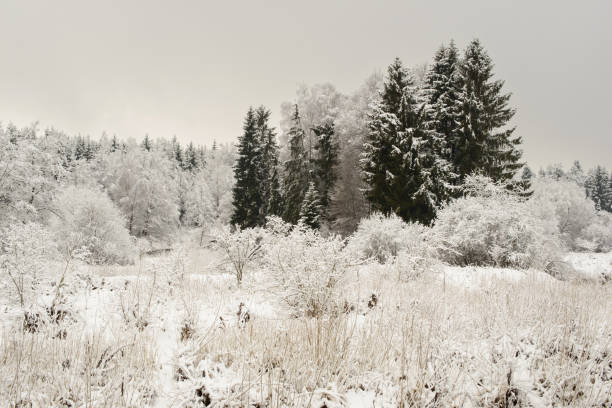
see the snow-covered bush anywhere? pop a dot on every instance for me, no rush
(29, 175)
(87, 221)
(25, 251)
(241, 247)
(383, 237)
(492, 226)
(566, 201)
(307, 267)
(143, 186)
(597, 237)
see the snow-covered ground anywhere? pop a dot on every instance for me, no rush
(177, 331)
(595, 266)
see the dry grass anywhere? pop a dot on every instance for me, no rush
(76, 370)
(533, 343)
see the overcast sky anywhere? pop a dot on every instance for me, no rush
(192, 68)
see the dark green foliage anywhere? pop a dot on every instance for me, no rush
(84, 148)
(598, 188)
(391, 157)
(269, 177)
(325, 162)
(485, 143)
(310, 213)
(442, 92)
(191, 160)
(296, 172)
(178, 155)
(114, 144)
(146, 143)
(247, 192)
(527, 174)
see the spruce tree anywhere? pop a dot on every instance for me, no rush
(442, 91)
(598, 188)
(270, 183)
(296, 172)
(527, 175)
(201, 156)
(178, 155)
(247, 198)
(80, 148)
(391, 157)
(310, 212)
(146, 143)
(325, 162)
(485, 143)
(114, 144)
(190, 158)
(90, 149)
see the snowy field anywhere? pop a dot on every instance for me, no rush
(175, 330)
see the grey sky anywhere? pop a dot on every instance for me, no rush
(192, 68)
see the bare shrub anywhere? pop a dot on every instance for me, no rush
(240, 247)
(307, 267)
(25, 252)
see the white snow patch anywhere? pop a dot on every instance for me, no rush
(591, 265)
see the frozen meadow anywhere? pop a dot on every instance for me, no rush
(387, 247)
(177, 330)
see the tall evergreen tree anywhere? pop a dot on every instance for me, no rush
(146, 143)
(247, 197)
(296, 171)
(485, 143)
(598, 188)
(325, 162)
(90, 149)
(178, 154)
(190, 158)
(527, 175)
(80, 148)
(270, 183)
(442, 90)
(310, 212)
(391, 158)
(114, 146)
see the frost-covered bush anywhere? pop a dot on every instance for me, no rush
(143, 185)
(597, 237)
(241, 247)
(25, 252)
(308, 269)
(88, 222)
(492, 226)
(566, 201)
(383, 237)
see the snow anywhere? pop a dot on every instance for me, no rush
(474, 278)
(224, 357)
(591, 265)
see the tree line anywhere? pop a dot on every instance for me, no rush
(597, 182)
(157, 185)
(412, 144)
